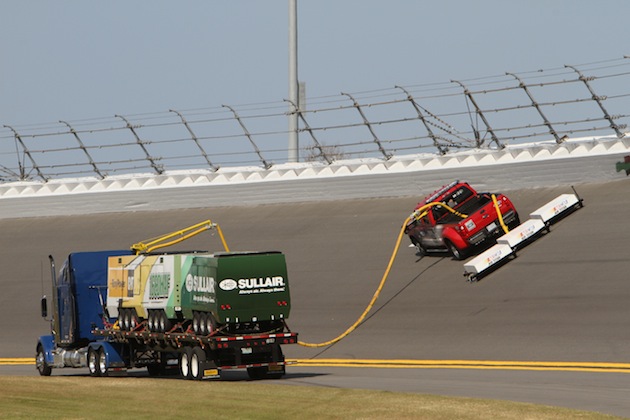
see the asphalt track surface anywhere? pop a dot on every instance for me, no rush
(565, 298)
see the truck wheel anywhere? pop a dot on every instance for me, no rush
(209, 324)
(124, 319)
(40, 362)
(184, 363)
(457, 253)
(102, 363)
(151, 321)
(420, 250)
(196, 323)
(198, 357)
(164, 322)
(93, 361)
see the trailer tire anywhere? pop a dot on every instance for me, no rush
(197, 359)
(40, 361)
(184, 363)
(92, 362)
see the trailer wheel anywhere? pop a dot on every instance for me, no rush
(40, 362)
(184, 363)
(93, 362)
(197, 358)
(102, 363)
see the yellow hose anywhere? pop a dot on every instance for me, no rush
(371, 304)
(415, 215)
(496, 206)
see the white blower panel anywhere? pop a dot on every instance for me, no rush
(555, 207)
(486, 259)
(521, 233)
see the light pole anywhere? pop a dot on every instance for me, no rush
(293, 155)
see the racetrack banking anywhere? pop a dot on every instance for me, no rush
(429, 364)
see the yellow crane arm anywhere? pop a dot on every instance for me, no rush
(149, 245)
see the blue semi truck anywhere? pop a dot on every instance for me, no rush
(83, 334)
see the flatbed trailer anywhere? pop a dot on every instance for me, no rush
(193, 356)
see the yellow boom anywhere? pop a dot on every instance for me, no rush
(176, 237)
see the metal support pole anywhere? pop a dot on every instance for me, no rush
(18, 139)
(249, 137)
(369, 126)
(293, 155)
(195, 139)
(598, 99)
(483, 117)
(535, 104)
(158, 168)
(310, 131)
(424, 121)
(82, 147)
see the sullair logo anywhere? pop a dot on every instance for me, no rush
(228, 284)
(200, 284)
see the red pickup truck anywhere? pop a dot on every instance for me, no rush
(457, 219)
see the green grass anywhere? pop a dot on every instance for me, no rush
(147, 398)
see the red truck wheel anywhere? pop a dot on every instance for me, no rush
(457, 253)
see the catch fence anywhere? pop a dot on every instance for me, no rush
(574, 101)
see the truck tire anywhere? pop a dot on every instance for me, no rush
(164, 322)
(93, 361)
(40, 362)
(457, 253)
(209, 323)
(196, 323)
(184, 363)
(420, 250)
(102, 363)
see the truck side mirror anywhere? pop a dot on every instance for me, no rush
(44, 307)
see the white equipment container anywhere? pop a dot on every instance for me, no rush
(523, 232)
(485, 260)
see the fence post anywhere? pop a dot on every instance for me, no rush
(249, 137)
(597, 99)
(310, 131)
(158, 168)
(483, 117)
(18, 138)
(535, 104)
(82, 147)
(369, 126)
(196, 140)
(424, 121)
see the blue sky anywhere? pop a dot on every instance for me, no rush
(72, 60)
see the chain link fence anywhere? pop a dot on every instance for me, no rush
(574, 101)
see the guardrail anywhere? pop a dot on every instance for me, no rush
(491, 112)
